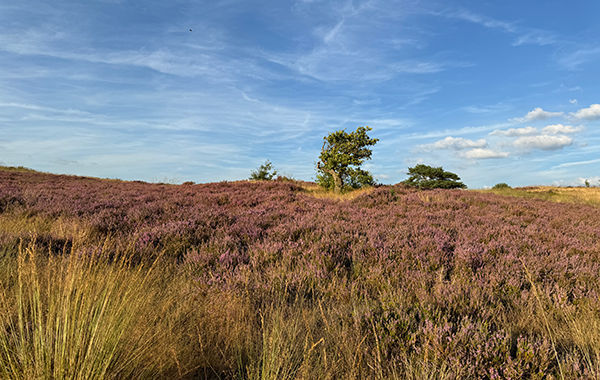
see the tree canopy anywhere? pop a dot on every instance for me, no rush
(341, 156)
(427, 177)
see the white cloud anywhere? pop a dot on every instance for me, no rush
(456, 143)
(544, 142)
(479, 153)
(538, 114)
(573, 101)
(512, 132)
(559, 128)
(592, 113)
(381, 176)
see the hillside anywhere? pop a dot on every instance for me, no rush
(273, 282)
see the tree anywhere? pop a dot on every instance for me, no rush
(341, 156)
(265, 172)
(427, 177)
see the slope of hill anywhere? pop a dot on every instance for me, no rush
(272, 282)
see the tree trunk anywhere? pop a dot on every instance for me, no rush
(337, 181)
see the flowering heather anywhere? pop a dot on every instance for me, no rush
(394, 283)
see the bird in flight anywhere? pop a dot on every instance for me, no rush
(190, 30)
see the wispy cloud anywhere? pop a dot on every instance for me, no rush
(569, 164)
(523, 35)
(487, 109)
(573, 59)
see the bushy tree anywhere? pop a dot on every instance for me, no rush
(265, 172)
(501, 185)
(341, 156)
(427, 177)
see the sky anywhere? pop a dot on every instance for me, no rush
(206, 91)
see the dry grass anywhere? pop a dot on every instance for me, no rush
(82, 316)
(584, 195)
(17, 169)
(317, 191)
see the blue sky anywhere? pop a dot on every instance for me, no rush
(495, 91)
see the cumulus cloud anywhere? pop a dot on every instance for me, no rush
(480, 153)
(544, 142)
(512, 132)
(538, 114)
(592, 113)
(559, 128)
(456, 143)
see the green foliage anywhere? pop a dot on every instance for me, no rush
(265, 172)
(427, 177)
(341, 156)
(501, 185)
(587, 184)
(356, 180)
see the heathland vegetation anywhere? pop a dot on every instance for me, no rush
(107, 279)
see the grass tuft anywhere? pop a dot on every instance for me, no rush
(78, 316)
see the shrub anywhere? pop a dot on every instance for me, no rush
(265, 172)
(501, 185)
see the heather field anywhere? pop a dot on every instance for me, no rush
(106, 279)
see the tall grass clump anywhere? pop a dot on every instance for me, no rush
(80, 315)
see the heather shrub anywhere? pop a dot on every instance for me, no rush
(270, 281)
